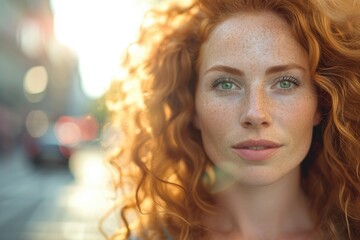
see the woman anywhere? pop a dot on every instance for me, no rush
(241, 120)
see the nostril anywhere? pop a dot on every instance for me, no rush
(255, 123)
(247, 123)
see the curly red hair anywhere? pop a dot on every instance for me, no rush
(160, 160)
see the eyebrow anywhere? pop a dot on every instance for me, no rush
(271, 70)
(227, 69)
(282, 68)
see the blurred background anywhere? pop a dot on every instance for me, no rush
(57, 58)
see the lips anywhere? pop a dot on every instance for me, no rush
(256, 150)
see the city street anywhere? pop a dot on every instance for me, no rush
(53, 203)
(51, 104)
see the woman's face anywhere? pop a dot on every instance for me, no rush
(256, 105)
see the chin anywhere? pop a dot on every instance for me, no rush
(259, 176)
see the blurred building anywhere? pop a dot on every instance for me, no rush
(36, 72)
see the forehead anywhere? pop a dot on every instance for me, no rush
(254, 36)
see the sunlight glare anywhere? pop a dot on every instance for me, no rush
(98, 31)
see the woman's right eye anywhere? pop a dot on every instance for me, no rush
(224, 84)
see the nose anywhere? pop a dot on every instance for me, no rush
(256, 113)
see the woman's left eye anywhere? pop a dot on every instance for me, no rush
(287, 83)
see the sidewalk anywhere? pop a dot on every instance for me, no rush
(55, 204)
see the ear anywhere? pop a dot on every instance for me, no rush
(317, 117)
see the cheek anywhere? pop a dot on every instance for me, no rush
(214, 125)
(213, 117)
(299, 118)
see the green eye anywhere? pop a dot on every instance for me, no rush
(285, 84)
(226, 85)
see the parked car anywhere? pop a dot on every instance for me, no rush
(55, 146)
(46, 150)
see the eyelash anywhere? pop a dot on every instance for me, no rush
(219, 81)
(290, 79)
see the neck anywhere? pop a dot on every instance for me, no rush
(264, 211)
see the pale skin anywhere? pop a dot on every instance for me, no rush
(255, 84)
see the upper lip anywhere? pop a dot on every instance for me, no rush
(257, 143)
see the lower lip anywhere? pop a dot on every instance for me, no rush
(256, 155)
